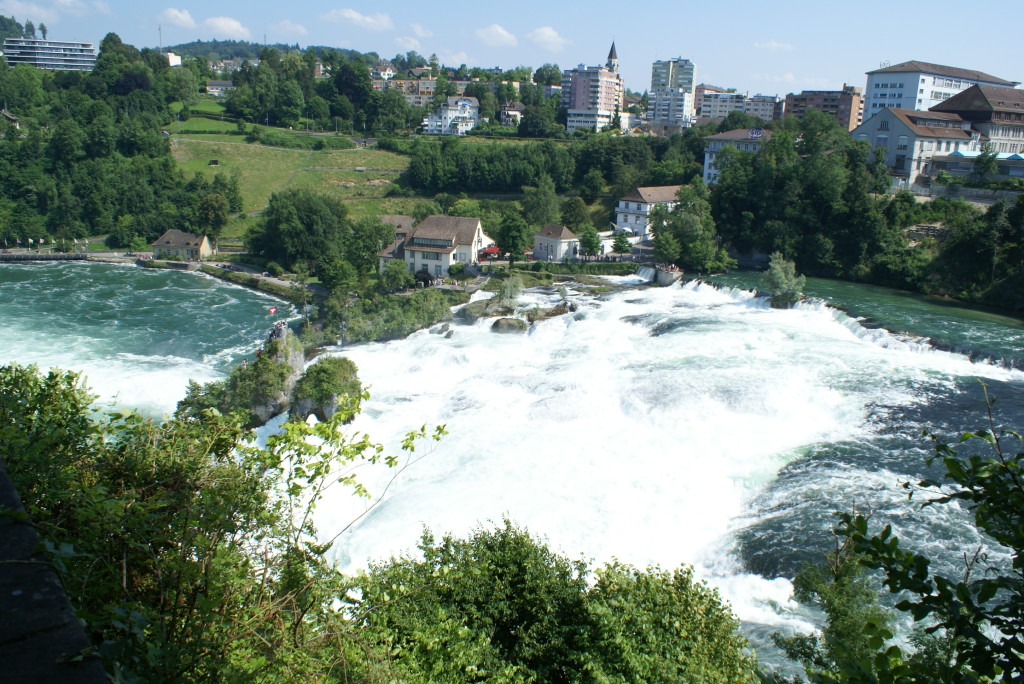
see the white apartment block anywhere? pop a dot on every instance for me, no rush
(633, 211)
(671, 97)
(718, 105)
(920, 86)
(458, 116)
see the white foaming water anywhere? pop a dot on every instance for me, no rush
(639, 429)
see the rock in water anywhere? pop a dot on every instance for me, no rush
(509, 326)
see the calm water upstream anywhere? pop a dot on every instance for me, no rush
(658, 426)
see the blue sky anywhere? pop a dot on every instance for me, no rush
(772, 48)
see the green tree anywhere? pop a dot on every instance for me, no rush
(395, 276)
(985, 163)
(621, 244)
(212, 215)
(666, 248)
(782, 282)
(592, 186)
(540, 203)
(301, 225)
(510, 608)
(575, 214)
(514, 236)
(368, 237)
(590, 241)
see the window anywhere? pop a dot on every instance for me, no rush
(901, 143)
(883, 125)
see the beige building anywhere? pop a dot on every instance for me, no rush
(177, 244)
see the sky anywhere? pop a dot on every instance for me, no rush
(755, 47)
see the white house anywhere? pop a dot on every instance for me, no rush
(458, 116)
(911, 140)
(554, 243)
(436, 243)
(511, 113)
(746, 139)
(920, 86)
(633, 211)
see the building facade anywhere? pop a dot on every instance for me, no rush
(61, 55)
(436, 243)
(845, 106)
(997, 113)
(912, 139)
(920, 86)
(177, 244)
(554, 243)
(718, 105)
(458, 116)
(745, 139)
(633, 211)
(593, 95)
(670, 100)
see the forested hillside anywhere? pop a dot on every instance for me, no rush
(87, 156)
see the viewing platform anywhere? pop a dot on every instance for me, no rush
(42, 256)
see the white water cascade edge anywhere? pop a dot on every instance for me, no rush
(638, 429)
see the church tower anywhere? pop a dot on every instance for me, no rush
(613, 59)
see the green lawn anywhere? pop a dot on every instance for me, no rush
(264, 170)
(261, 170)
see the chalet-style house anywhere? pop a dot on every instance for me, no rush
(179, 245)
(435, 243)
(554, 243)
(632, 213)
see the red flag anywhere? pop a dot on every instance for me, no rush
(272, 310)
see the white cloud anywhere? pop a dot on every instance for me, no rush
(496, 36)
(407, 43)
(75, 7)
(450, 58)
(101, 7)
(370, 22)
(289, 28)
(774, 46)
(421, 31)
(547, 38)
(29, 11)
(226, 27)
(178, 17)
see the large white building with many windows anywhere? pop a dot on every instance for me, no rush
(920, 85)
(62, 55)
(744, 139)
(458, 116)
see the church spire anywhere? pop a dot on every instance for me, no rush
(613, 59)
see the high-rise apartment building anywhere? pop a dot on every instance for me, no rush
(671, 99)
(62, 55)
(846, 105)
(593, 94)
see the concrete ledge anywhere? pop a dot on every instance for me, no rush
(38, 628)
